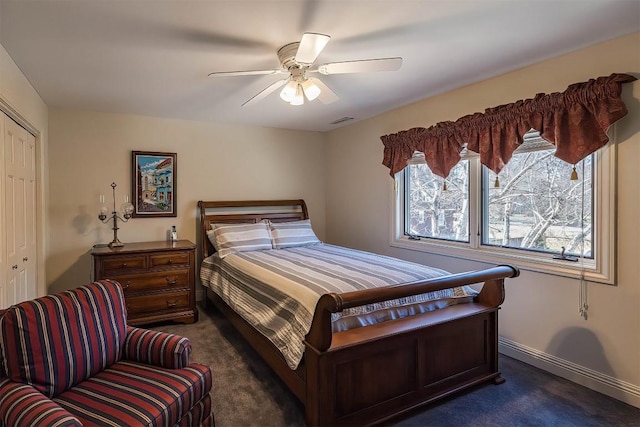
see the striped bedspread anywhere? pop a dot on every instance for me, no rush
(277, 290)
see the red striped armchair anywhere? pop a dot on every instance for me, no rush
(70, 359)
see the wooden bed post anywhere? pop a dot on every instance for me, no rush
(319, 337)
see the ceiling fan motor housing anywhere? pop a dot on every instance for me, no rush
(287, 55)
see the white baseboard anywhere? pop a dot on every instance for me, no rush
(605, 384)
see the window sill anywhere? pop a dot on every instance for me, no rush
(524, 261)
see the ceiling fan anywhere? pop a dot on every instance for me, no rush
(297, 59)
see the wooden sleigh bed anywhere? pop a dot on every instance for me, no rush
(370, 374)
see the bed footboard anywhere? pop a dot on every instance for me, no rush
(373, 373)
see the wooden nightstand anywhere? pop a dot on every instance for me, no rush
(158, 279)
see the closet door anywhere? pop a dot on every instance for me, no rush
(19, 212)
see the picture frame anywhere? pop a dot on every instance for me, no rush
(153, 184)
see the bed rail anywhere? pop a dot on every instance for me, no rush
(491, 295)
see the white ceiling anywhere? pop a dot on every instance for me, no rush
(152, 57)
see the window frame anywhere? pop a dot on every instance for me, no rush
(600, 269)
(464, 157)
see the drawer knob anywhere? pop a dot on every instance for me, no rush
(172, 282)
(172, 304)
(169, 262)
(124, 264)
(126, 285)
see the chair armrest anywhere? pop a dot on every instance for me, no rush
(157, 348)
(22, 405)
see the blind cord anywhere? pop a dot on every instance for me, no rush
(583, 300)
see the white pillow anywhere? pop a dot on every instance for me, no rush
(230, 238)
(212, 239)
(292, 234)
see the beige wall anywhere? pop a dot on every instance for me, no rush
(22, 103)
(540, 313)
(89, 150)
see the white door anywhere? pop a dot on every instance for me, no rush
(19, 212)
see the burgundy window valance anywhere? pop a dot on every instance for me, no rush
(575, 121)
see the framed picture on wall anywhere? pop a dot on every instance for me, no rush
(153, 184)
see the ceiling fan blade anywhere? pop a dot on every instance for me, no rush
(266, 91)
(362, 66)
(310, 47)
(327, 96)
(243, 73)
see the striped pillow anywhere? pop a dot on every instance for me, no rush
(230, 238)
(292, 234)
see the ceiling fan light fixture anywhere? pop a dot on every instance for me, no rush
(289, 91)
(311, 91)
(297, 59)
(298, 99)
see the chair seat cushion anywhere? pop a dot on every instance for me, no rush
(129, 393)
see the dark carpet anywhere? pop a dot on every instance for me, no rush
(247, 393)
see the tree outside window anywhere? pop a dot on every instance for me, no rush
(535, 206)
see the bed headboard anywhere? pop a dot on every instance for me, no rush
(246, 211)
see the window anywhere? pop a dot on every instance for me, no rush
(431, 211)
(531, 214)
(537, 207)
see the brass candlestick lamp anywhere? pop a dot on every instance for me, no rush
(126, 210)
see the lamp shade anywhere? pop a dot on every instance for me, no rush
(311, 91)
(289, 91)
(298, 99)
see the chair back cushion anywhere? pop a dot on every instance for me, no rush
(57, 341)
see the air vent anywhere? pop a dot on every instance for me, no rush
(343, 119)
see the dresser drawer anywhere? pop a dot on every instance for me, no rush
(123, 264)
(169, 279)
(170, 260)
(151, 303)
